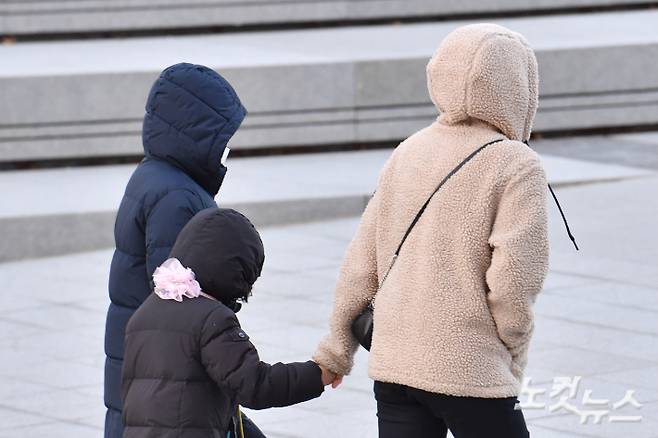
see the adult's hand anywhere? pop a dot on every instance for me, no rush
(337, 381)
(328, 377)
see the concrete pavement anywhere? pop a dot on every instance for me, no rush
(56, 211)
(595, 319)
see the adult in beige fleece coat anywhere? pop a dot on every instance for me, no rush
(454, 315)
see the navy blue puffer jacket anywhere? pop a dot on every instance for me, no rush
(191, 114)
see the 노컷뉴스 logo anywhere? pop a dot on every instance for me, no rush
(565, 397)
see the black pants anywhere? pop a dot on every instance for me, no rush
(408, 412)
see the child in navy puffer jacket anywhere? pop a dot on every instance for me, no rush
(191, 113)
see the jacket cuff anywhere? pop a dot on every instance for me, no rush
(517, 370)
(520, 355)
(337, 363)
(519, 360)
(313, 386)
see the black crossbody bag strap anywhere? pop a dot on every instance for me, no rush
(429, 199)
(559, 207)
(443, 181)
(362, 326)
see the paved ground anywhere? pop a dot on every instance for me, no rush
(639, 150)
(314, 46)
(64, 210)
(260, 180)
(596, 319)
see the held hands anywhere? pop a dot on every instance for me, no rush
(330, 378)
(337, 381)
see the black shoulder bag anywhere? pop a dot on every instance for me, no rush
(362, 325)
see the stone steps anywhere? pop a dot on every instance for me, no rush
(95, 16)
(69, 100)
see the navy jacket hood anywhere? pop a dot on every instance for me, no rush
(191, 114)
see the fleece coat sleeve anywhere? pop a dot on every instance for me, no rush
(232, 362)
(356, 287)
(163, 223)
(519, 262)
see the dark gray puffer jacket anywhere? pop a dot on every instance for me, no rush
(188, 364)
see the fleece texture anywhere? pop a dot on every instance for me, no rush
(454, 315)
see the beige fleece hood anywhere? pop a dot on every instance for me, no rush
(485, 72)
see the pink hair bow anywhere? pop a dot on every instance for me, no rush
(173, 281)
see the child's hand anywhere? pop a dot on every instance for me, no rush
(328, 377)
